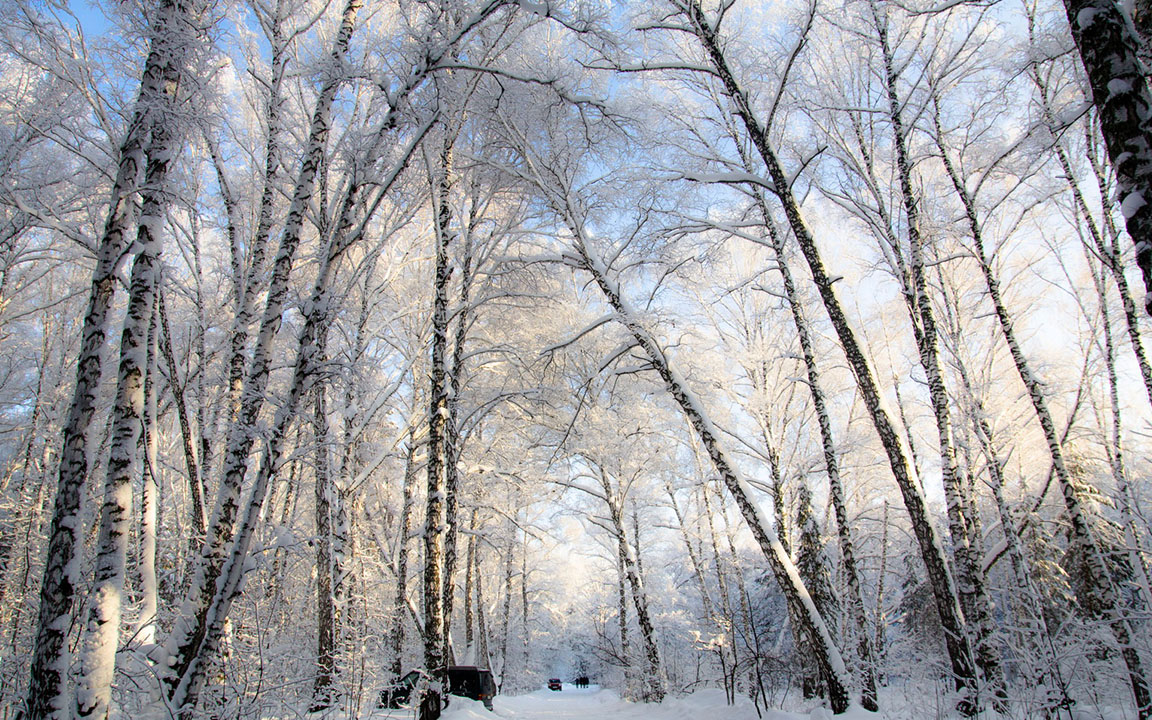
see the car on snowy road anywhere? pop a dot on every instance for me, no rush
(555, 684)
(427, 702)
(472, 682)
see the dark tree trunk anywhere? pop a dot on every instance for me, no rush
(1109, 49)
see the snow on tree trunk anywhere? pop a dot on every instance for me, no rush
(831, 467)
(101, 636)
(653, 676)
(1113, 258)
(452, 433)
(326, 631)
(469, 592)
(404, 532)
(246, 290)
(203, 626)
(506, 609)
(1114, 449)
(811, 561)
(827, 654)
(1109, 49)
(1027, 601)
(482, 654)
(188, 684)
(188, 635)
(970, 581)
(193, 467)
(150, 494)
(1102, 600)
(622, 617)
(436, 585)
(944, 591)
(1109, 252)
(200, 646)
(48, 684)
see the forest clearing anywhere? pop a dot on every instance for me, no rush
(747, 357)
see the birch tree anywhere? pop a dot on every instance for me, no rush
(558, 192)
(704, 28)
(1109, 48)
(171, 43)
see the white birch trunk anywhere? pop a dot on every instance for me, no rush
(653, 676)
(101, 637)
(150, 495)
(183, 645)
(827, 654)
(944, 589)
(1109, 49)
(970, 581)
(1102, 601)
(48, 685)
(437, 584)
(404, 532)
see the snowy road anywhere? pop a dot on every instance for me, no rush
(597, 704)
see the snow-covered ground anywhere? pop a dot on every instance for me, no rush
(596, 704)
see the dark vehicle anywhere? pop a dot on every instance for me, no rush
(555, 684)
(472, 682)
(399, 695)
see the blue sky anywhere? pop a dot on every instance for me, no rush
(91, 17)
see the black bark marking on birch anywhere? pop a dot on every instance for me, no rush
(48, 682)
(1102, 602)
(189, 636)
(435, 583)
(1109, 50)
(102, 629)
(405, 531)
(970, 582)
(944, 591)
(827, 654)
(868, 694)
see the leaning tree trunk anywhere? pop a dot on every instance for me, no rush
(202, 625)
(1109, 49)
(48, 683)
(855, 598)
(1102, 600)
(1109, 251)
(245, 283)
(203, 646)
(940, 578)
(970, 581)
(832, 468)
(184, 646)
(653, 677)
(1114, 445)
(193, 467)
(1026, 598)
(827, 654)
(725, 617)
